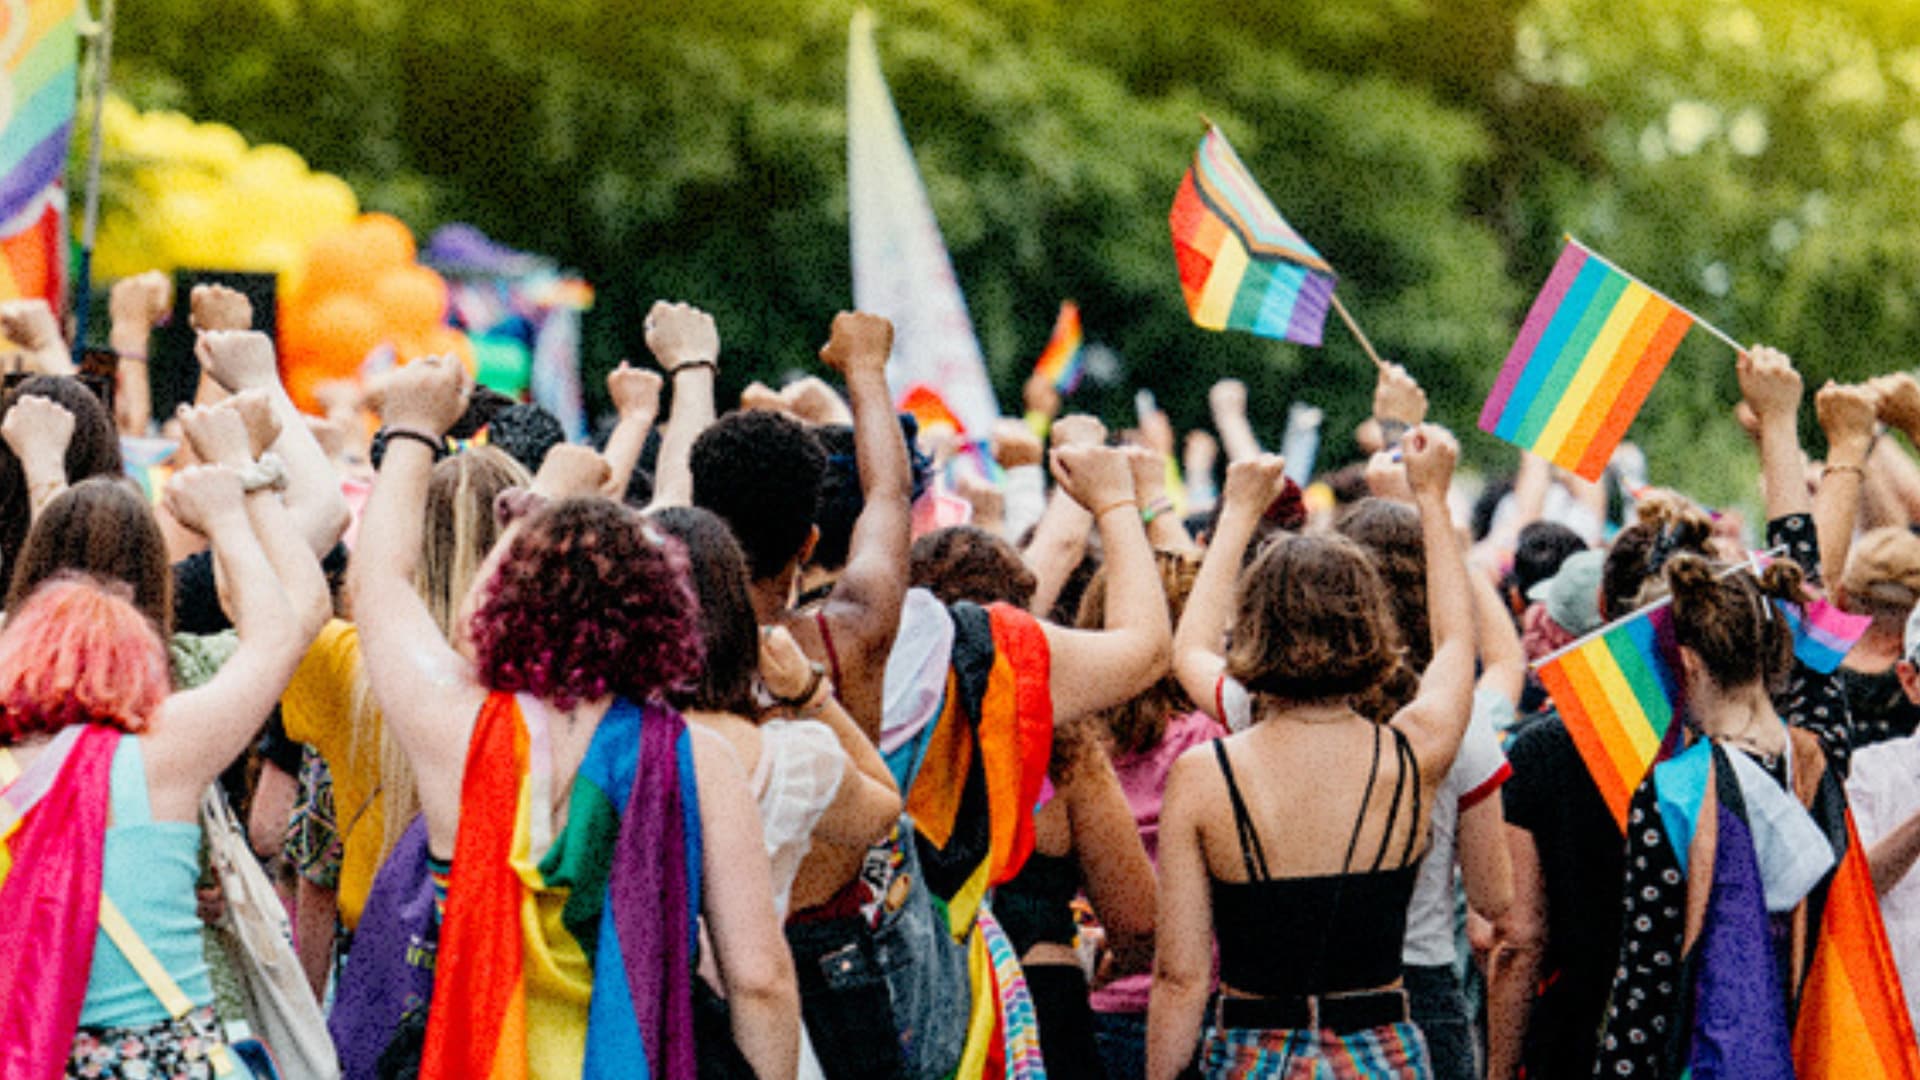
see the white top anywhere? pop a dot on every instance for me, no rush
(1478, 771)
(799, 773)
(1884, 791)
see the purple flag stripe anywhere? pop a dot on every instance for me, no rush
(1565, 270)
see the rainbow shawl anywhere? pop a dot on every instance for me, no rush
(53, 831)
(973, 778)
(571, 955)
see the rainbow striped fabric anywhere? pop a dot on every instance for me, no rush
(1618, 696)
(1242, 267)
(1853, 1020)
(929, 409)
(42, 72)
(1060, 362)
(1590, 350)
(570, 955)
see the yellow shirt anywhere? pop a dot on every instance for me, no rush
(317, 710)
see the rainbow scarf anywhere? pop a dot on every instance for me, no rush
(972, 781)
(571, 955)
(53, 831)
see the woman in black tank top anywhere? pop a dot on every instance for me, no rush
(1292, 846)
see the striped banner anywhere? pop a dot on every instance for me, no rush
(1590, 350)
(1618, 696)
(40, 51)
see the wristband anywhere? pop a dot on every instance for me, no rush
(387, 434)
(710, 365)
(805, 696)
(1392, 431)
(1115, 505)
(1857, 471)
(1154, 509)
(267, 474)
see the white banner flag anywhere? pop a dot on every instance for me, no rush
(900, 265)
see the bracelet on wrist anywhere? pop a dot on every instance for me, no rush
(386, 435)
(1859, 472)
(816, 678)
(1101, 512)
(130, 357)
(710, 365)
(1154, 509)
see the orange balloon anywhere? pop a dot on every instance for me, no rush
(412, 299)
(335, 264)
(334, 336)
(446, 341)
(385, 241)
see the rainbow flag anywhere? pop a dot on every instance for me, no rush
(1060, 362)
(1853, 1019)
(1242, 267)
(42, 59)
(930, 409)
(570, 955)
(1618, 696)
(1590, 350)
(33, 251)
(1822, 634)
(53, 832)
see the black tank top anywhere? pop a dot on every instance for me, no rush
(1037, 905)
(1322, 934)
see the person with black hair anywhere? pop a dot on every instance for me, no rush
(763, 472)
(526, 432)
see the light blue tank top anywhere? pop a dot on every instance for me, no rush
(150, 869)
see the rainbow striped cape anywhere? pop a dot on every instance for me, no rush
(973, 778)
(53, 832)
(571, 955)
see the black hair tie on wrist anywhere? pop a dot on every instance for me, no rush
(378, 451)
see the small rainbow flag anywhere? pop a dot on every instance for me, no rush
(1618, 696)
(1061, 360)
(1593, 344)
(1242, 267)
(41, 54)
(1822, 634)
(930, 409)
(1853, 1018)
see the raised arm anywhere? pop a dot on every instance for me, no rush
(1437, 717)
(1847, 416)
(1060, 536)
(863, 610)
(31, 325)
(37, 430)
(1228, 401)
(1503, 660)
(426, 691)
(1094, 670)
(636, 404)
(240, 361)
(1771, 388)
(737, 901)
(1165, 530)
(134, 307)
(198, 732)
(1199, 659)
(685, 342)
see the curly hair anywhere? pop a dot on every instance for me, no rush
(1141, 723)
(77, 651)
(841, 499)
(589, 600)
(526, 432)
(1390, 533)
(761, 472)
(963, 562)
(94, 450)
(1313, 621)
(104, 527)
(1728, 620)
(728, 630)
(1667, 525)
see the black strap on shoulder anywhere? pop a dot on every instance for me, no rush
(1254, 855)
(1366, 797)
(1409, 766)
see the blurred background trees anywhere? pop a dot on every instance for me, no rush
(1756, 159)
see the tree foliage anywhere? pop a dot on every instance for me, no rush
(1755, 159)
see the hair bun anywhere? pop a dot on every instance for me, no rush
(1688, 575)
(1784, 580)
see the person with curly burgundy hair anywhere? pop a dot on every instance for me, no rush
(102, 771)
(572, 799)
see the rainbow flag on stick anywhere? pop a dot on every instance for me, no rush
(1590, 350)
(41, 54)
(1061, 362)
(1618, 696)
(1242, 267)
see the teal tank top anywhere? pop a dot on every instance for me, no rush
(150, 870)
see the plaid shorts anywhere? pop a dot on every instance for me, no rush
(1390, 1052)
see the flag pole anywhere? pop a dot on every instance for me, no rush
(1691, 314)
(1745, 564)
(1354, 328)
(83, 268)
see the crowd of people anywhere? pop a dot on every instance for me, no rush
(795, 741)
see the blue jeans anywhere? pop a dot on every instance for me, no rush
(1122, 1038)
(1439, 1009)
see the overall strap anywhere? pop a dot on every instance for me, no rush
(1251, 852)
